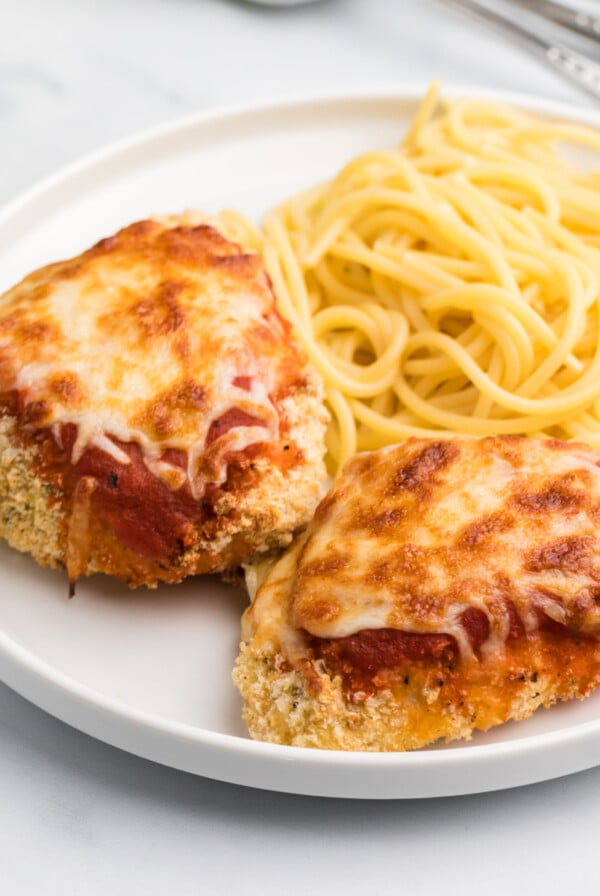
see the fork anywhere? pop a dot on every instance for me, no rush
(578, 20)
(573, 65)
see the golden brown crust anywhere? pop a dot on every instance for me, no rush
(283, 705)
(442, 588)
(31, 518)
(159, 413)
(36, 511)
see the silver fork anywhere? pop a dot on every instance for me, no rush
(578, 20)
(575, 66)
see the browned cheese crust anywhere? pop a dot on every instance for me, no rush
(442, 587)
(158, 418)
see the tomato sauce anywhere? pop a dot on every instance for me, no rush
(145, 514)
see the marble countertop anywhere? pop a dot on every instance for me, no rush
(77, 816)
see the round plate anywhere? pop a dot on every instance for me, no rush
(150, 672)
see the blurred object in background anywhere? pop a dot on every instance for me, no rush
(546, 26)
(280, 2)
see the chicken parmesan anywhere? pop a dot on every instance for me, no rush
(442, 587)
(158, 418)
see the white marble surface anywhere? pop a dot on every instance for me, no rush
(77, 816)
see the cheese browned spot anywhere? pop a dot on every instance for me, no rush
(153, 387)
(442, 587)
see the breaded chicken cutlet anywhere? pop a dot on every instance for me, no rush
(158, 418)
(443, 587)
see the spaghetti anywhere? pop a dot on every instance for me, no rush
(451, 285)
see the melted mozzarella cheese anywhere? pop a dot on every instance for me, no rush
(142, 338)
(411, 536)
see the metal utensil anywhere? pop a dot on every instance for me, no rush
(577, 20)
(575, 66)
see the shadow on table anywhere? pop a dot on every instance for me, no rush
(36, 741)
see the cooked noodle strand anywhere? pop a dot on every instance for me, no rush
(453, 284)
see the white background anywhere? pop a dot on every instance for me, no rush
(77, 816)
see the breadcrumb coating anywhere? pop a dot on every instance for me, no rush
(443, 587)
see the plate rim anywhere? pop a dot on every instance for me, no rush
(46, 686)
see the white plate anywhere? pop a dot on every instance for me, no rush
(150, 672)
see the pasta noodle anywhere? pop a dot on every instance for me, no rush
(452, 285)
